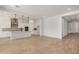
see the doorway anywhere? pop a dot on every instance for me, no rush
(70, 25)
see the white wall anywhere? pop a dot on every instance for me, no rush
(64, 27)
(4, 23)
(77, 27)
(53, 27)
(74, 27)
(41, 27)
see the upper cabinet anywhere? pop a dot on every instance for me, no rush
(14, 23)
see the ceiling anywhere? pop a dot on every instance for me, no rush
(40, 10)
(71, 18)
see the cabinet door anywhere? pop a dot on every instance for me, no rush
(14, 23)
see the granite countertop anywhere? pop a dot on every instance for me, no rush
(12, 29)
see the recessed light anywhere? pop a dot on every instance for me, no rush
(69, 9)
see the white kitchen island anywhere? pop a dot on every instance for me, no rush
(19, 34)
(15, 33)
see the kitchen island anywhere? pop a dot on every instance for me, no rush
(16, 33)
(19, 34)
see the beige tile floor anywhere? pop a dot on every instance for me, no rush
(40, 45)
